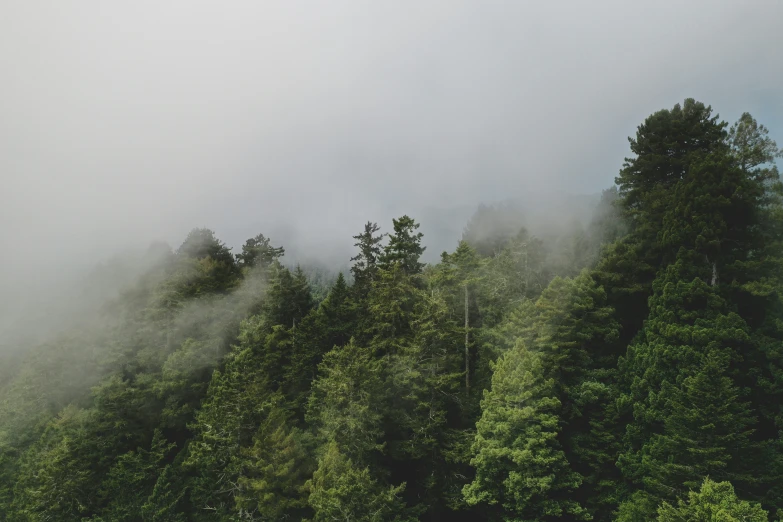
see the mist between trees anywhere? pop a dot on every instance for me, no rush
(625, 366)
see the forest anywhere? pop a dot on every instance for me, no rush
(630, 369)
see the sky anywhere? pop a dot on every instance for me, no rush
(127, 122)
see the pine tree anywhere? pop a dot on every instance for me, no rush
(404, 247)
(707, 433)
(365, 262)
(459, 273)
(687, 338)
(258, 252)
(132, 479)
(520, 464)
(226, 423)
(288, 297)
(344, 403)
(424, 380)
(341, 490)
(330, 325)
(543, 431)
(275, 469)
(715, 501)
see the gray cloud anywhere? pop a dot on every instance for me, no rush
(124, 122)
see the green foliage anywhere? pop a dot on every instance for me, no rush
(339, 490)
(714, 502)
(554, 376)
(404, 248)
(275, 469)
(258, 252)
(343, 404)
(366, 261)
(599, 374)
(131, 480)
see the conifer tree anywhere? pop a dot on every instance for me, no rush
(132, 479)
(275, 468)
(715, 501)
(341, 490)
(258, 252)
(344, 403)
(404, 247)
(543, 431)
(366, 261)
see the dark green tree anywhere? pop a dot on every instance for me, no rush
(275, 469)
(258, 252)
(715, 501)
(366, 261)
(543, 448)
(404, 247)
(341, 490)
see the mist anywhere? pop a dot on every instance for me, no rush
(126, 124)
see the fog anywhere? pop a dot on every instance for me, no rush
(127, 122)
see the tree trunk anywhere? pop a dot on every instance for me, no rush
(467, 342)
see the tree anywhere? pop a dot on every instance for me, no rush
(423, 379)
(344, 403)
(275, 469)
(519, 461)
(340, 490)
(257, 251)
(226, 423)
(365, 262)
(714, 502)
(404, 247)
(682, 360)
(751, 144)
(288, 297)
(556, 375)
(460, 269)
(132, 479)
(324, 328)
(708, 431)
(519, 271)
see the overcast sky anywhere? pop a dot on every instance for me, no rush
(123, 122)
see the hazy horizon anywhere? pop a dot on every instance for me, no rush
(124, 124)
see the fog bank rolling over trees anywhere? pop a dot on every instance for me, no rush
(627, 368)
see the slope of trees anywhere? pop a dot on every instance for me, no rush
(631, 369)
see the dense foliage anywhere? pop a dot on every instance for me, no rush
(631, 369)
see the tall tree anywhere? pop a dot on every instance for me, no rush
(554, 377)
(715, 501)
(341, 490)
(404, 247)
(365, 262)
(258, 251)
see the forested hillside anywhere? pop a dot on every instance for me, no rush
(630, 369)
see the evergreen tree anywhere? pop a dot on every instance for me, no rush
(543, 431)
(366, 261)
(404, 247)
(324, 328)
(288, 297)
(344, 403)
(459, 273)
(687, 338)
(424, 379)
(715, 501)
(226, 423)
(132, 479)
(520, 464)
(275, 469)
(340, 490)
(257, 251)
